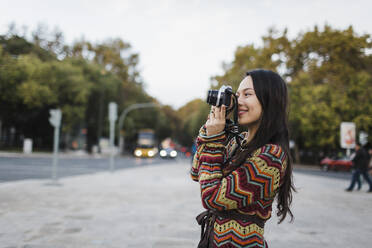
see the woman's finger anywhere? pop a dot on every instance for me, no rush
(218, 113)
(213, 112)
(223, 111)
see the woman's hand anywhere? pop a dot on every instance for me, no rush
(216, 120)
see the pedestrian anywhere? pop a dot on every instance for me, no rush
(354, 175)
(240, 182)
(193, 151)
(370, 160)
(360, 165)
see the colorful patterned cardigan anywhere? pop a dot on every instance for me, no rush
(248, 190)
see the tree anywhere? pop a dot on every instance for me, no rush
(81, 79)
(193, 116)
(328, 73)
(330, 84)
(118, 80)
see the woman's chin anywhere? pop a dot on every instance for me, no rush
(242, 122)
(246, 122)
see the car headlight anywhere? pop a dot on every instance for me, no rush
(138, 153)
(150, 153)
(173, 154)
(163, 153)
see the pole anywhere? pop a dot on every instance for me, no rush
(113, 115)
(55, 121)
(55, 154)
(112, 130)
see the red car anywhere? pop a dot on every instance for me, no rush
(336, 164)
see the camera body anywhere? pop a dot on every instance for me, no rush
(221, 96)
(226, 97)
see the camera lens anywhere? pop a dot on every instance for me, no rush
(212, 97)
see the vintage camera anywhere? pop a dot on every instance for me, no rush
(226, 96)
(221, 96)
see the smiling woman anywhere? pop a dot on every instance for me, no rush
(240, 183)
(250, 109)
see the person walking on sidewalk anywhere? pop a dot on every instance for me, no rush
(360, 164)
(239, 182)
(353, 171)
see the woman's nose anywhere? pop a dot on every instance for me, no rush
(239, 101)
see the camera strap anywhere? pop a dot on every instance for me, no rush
(232, 130)
(232, 127)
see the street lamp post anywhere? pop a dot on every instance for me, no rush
(124, 114)
(55, 121)
(113, 115)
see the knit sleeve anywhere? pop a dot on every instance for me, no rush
(258, 178)
(212, 146)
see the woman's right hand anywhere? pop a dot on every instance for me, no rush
(216, 120)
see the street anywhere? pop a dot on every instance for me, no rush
(20, 168)
(13, 168)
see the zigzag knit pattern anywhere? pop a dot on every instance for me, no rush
(249, 189)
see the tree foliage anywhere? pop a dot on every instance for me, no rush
(81, 79)
(328, 72)
(193, 116)
(331, 83)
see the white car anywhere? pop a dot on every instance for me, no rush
(168, 153)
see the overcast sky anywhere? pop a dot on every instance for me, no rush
(182, 43)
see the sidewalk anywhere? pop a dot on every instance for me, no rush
(155, 206)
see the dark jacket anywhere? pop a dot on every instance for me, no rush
(361, 159)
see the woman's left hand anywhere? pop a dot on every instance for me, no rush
(216, 120)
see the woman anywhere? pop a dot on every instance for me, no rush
(238, 184)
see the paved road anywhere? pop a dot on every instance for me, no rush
(316, 171)
(20, 168)
(14, 168)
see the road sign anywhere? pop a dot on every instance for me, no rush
(113, 111)
(55, 117)
(347, 135)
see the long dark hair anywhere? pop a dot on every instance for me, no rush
(272, 94)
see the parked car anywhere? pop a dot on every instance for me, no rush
(168, 153)
(336, 163)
